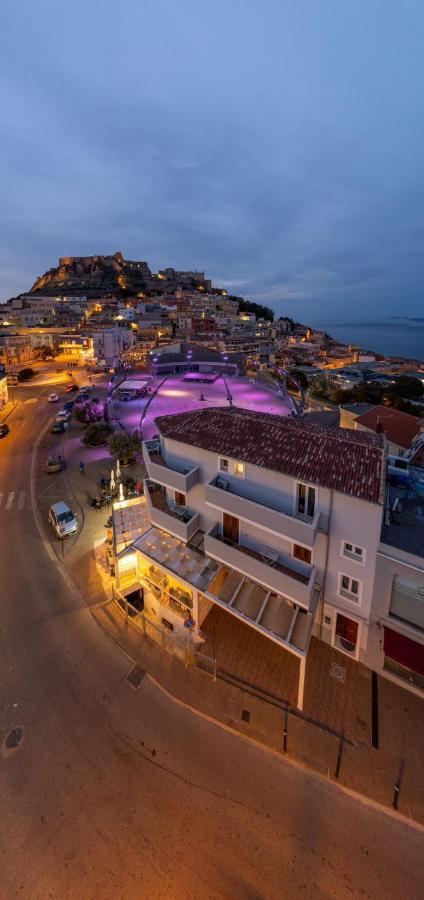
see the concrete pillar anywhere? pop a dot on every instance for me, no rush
(301, 683)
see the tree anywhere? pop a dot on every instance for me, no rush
(97, 433)
(407, 386)
(261, 312)
(319, 387)
(300, 377)
(124, 445)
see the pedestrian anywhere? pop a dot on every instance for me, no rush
(82, 468)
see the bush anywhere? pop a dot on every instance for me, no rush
(300, 377)
(25, 374)
(124, 445)
(97, 433)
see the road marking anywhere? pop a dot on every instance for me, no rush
(21, 501)
(9, 502)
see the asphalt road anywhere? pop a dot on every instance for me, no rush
(117, 792)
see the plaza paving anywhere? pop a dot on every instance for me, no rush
(175, 395)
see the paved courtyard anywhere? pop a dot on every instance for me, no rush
(177, 395)
(337, 689)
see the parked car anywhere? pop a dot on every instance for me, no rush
(69, 405)
(53, 398)
(63, 415)
(71, 387)
(59, 427)
(86, 387)
(82, 398)
(63, 521)
(4, 430)
(54, 464)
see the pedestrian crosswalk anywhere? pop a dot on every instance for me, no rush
(14, 500)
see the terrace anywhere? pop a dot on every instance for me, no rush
(180, 479)
(234, 498)
(178, 520)
(265, 565)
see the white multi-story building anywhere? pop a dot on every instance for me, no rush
(273, 520)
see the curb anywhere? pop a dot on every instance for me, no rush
(312, 773)
(15, 405)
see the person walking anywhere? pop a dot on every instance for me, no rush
(82, 468)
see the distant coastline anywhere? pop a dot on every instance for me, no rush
(400, 336)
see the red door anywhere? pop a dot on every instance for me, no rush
(404, 651)
(230, 528)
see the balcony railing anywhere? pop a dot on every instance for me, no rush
(179, 478)
(274, 574)
(226, 495)
(179, 521)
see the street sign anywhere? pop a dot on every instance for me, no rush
(189, 623)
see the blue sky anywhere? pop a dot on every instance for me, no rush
(276, 144)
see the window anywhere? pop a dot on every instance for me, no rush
(349, 587)
(302, 553)
(351, 551)
(223, 465)
(407, 601)
(180, 499)
(305, 500)
(239, 469)
(346, 635)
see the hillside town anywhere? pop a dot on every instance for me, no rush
(263, 486)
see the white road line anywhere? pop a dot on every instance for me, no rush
(9, 502)
(21, 501)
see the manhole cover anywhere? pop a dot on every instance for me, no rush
(12, 740)
(135, 676)
(338, 672)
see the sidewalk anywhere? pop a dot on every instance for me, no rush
(370, 772)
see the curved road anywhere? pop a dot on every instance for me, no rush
(116, 792)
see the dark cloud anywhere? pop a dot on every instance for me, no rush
(278, 146)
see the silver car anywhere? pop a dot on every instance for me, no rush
(63, 521)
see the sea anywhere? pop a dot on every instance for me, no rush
(400, 337)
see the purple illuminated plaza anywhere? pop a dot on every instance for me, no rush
(171, 394)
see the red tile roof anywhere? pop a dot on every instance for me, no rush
(352, 462)
(399, 427)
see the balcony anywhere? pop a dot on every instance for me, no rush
(275, 574)
(179, 521)
(226, 495)
(180, 479)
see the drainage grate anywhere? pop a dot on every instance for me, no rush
(12, 741)
(135, 677)
(245, 715)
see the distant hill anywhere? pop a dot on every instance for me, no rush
(95, 276)
(99, 276)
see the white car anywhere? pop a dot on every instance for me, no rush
(53, 398)
(63, 416)
(63, 521)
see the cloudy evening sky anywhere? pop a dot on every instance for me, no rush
(276, 144)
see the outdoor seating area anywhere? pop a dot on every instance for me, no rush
(157, 494)
(166, 550)
(267, 555)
